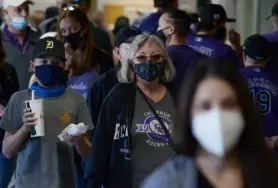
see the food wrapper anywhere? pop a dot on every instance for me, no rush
(73, 130)
(76, 130)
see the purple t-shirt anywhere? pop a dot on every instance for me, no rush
(182, 58)
(271, 36)
(83, 83)
(14, 40)
(212, 48)
(265, 92)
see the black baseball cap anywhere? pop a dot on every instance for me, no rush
(49, 46)
(274, 11)
(212, 14)
(126, 35)
(257, 47)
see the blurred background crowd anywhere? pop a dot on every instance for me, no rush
(174, 93)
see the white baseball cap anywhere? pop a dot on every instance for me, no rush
(7, 3)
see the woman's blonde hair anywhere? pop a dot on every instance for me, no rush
(126, 73)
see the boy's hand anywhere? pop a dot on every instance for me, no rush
(29, 120)
(72, 140)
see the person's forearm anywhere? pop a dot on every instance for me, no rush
(13, 143)
(84, 148)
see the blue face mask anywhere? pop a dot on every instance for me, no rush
(48, 75)
(19, 23)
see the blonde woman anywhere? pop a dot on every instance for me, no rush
(129, 142)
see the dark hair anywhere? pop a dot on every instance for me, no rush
(258, 166)
(88, 62)
(51, 12)
(181, 21)
(121, 22)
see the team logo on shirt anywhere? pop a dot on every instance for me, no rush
(65, 118)
(151, 127)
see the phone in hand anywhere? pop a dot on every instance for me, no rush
(33, 130)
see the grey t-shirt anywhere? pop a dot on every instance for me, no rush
(46, 162)
(151, 146)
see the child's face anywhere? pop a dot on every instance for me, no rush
(46, 61)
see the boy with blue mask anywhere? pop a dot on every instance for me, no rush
(48, 161)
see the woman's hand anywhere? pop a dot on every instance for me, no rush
(29, 120)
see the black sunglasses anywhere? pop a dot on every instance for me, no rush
(69, 7)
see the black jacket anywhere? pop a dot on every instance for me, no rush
(100, 90)
(110, 161)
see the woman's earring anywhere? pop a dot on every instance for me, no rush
(30, 69)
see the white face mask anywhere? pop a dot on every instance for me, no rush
(217, 130)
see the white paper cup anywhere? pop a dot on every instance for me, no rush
(36, 106)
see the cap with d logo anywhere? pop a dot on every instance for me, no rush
(49, 47)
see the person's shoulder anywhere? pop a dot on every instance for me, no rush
(271, 36)
(34, 36)
(122, 91)
(107, 76)
(10, 68)
(21, 95)
(93, 73)
(194, 53)
(70, 93)
(168, 175)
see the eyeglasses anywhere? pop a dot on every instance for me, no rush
(155, 58)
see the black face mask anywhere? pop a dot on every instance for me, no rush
(161, 36)
(149, 70)
(221, 33)
(73, 39)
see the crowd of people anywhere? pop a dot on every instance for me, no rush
(164, 102)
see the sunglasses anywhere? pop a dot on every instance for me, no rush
(70, 7)
(155, 58)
